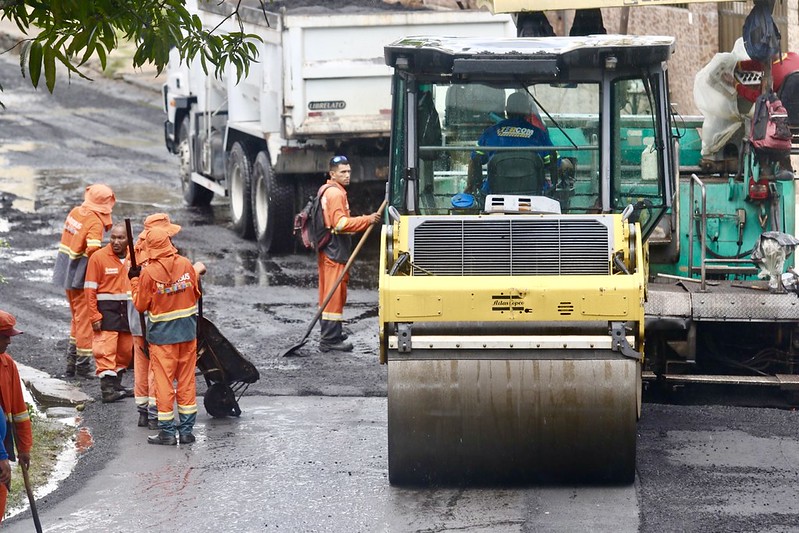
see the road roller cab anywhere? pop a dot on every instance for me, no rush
(512, 322)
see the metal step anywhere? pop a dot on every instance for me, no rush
(727, 269)
(783, 381)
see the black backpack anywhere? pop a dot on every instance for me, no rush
(310, 223)
(761, 35)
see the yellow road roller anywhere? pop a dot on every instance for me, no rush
(513, 273)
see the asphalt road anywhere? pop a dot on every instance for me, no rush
(309, 452)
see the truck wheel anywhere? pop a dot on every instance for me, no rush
(193, 194)
(272, 207)
(239, 181)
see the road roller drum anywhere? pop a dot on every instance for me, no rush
(454, 421)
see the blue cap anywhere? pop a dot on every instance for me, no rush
(462, 200)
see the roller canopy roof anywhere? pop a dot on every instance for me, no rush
(544, 56)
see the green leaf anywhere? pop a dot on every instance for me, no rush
(49, 68)
(101, 55)
(35, 63)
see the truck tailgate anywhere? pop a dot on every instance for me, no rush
(336, 81)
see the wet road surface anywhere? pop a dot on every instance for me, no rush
(309, 453)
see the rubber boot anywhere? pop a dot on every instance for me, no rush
(119, 387)
(142, 423)
(152, 416)
(72, 354)
(107, 392)
(83, 367)
(332, 337)
(165, 436)
(186, 427)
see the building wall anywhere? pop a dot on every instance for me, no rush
(696, 28)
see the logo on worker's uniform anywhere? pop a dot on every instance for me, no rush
(183, 283)
(109, 271)
(515, 131)
(508, 302)
(72, 225)
(327, 105)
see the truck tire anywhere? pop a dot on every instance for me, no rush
(272, 207)
(194, 195)
(239, 181)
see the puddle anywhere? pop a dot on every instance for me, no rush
(28, 188)
(43, 259)
(40, 256)
(19, 181)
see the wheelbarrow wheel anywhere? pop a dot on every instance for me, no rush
(220, 401)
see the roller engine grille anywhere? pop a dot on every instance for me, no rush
(515, 247)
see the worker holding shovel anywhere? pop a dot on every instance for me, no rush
(15, 411)
(333, 257)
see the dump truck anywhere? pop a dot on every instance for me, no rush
(513, 322)
(318, 88)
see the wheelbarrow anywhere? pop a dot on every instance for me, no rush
(226, 371)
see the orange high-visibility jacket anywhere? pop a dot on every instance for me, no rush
(336, 209)
(14, 406)
(82, 236)
(171, 304)
(108, 290)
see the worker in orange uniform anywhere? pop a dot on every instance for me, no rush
(107, 289)
(332, 258)
(167, 289)
(144, 380)
(14, 407)
(82, 236)
(782, 66)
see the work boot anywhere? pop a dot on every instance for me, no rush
(72, 354)
(333, 337)
(142, 423)
(83, 368)
(162, 438)
(340, 346)
(120, 388)
(188, 438)
(107, 392)
(152, 423)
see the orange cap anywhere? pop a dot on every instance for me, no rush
(158, 244)
(159, 220)
(99, 198)
(7, 323)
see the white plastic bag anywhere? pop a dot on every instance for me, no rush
(716, 99)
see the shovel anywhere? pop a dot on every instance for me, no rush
(133, 264)
(332, 290)
(28, 488)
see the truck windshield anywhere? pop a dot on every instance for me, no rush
(535, 140)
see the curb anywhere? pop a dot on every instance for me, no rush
(48, 391)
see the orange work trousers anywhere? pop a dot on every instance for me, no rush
(174, 362)
(329, 271)
(80, 328)
(113, 351)
(143, 380)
